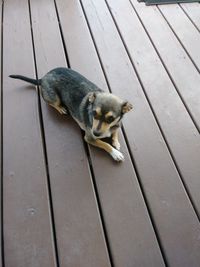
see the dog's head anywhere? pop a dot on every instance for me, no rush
(107, 111)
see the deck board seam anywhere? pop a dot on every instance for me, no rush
(125, 138)
(61, 34)
(127, 142)
(160, 128)
(167, 71)
(179, 40)
(157, 121)
(196, 26)
(87, 151)
(100, 210)
(150, 214)
(2, 260)
(154, 114)
(42, 131)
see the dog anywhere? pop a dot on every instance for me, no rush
(98, 113)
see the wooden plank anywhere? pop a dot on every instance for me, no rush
(151, 83)
(187, 33)
(166, 2)
(79, 234)
(193, 11)
(179, 131)
(180, 67)
(171, 209)
(27, 223)
(1, 196)
(130, 234)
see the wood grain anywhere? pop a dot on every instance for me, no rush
(27, 224)
(79, 233)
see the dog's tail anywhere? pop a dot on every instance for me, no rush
(26, 79)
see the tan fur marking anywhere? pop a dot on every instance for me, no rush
(101, 144)
(57, 106)
(110, 113)
(104, 127)
(95, 124)
(115, 136)
(115, 141)
(59, 109)
(98, 111)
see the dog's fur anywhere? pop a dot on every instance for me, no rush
(98, 113)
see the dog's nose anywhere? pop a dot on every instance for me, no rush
(96, 133)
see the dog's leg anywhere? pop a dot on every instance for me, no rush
(50, 96)
(118, 156)
(115, 141)
(59, 108)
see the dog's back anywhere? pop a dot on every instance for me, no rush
(70, 86)
(98, 113)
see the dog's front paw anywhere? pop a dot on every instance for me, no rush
(117, 155)
(116, 144)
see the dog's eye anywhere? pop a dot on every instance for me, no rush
(95, 115)
(110, 119)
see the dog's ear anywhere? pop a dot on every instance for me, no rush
(126, 107)
(91, 97)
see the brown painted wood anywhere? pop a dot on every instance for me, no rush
(1, 196)
(174, 217)
(79, 232)
(27, 224)
(183, 138)
(129, 229)
(186, 32)
(193, 11)
(28, 236)
(184, 74)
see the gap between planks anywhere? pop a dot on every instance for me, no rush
(123, 131)
(42, 130)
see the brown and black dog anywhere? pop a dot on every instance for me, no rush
(98, 113)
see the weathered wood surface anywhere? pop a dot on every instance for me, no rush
(1, 145)
(100, 20)
(27, 222)
(66, 204)
(184, 29)
(77, 221)
(193, 11)
(120, 195)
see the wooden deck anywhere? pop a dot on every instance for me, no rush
(64, 204)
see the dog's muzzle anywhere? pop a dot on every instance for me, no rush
(97, 134)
